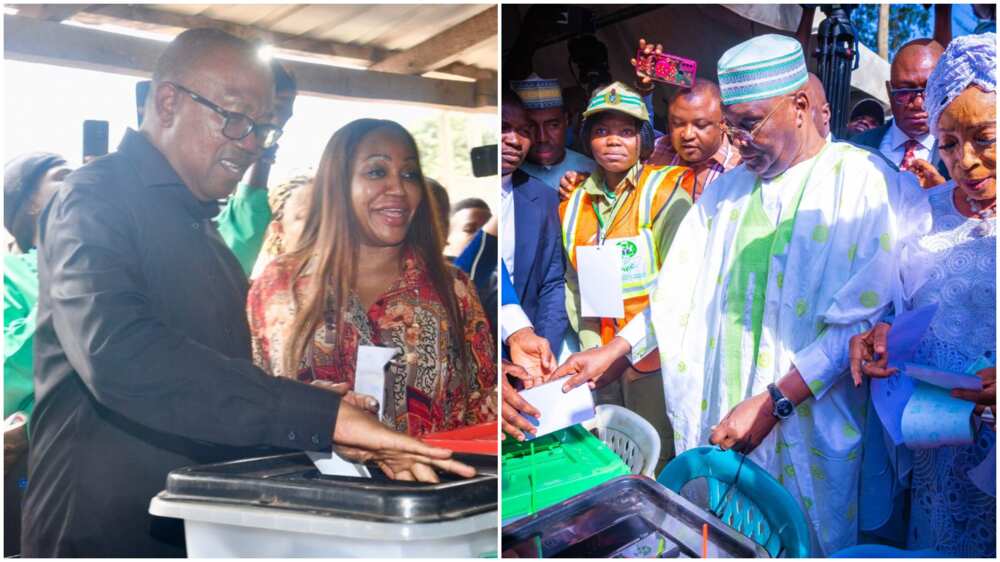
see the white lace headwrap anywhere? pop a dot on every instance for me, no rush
(968, 60)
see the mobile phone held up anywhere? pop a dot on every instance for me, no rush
(484, 160)
(667, 68)
(95, 139)
(141, 91)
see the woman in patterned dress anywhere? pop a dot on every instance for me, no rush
(367, 270)
(950, 511)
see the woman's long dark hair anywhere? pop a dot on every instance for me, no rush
(330, 242)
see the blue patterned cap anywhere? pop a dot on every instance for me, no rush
(537, 92)
(761, 68)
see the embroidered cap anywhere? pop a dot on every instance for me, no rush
(761, 68)
(618, 97)
(537, 92)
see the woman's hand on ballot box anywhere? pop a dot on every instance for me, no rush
(360, 437)
(513, 423)
(597, 367)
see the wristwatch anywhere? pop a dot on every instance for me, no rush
(783, 407)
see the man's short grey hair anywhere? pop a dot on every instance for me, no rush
(187, 48)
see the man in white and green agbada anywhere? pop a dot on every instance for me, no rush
(776, 267)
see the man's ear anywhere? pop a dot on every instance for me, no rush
(803, 104)
(888, 91)
(165, 103)
(802, 100)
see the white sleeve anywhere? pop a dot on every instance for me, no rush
(512, 319)
(638, 332)
(826, 359)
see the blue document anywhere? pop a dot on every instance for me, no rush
(890, 395)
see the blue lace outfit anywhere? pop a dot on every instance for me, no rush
(948, 512)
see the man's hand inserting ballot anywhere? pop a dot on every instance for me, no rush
(364, 401)
(514, 424)
(360, 438)
(593, 366)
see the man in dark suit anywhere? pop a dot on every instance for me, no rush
(531, 245)
(906, 140)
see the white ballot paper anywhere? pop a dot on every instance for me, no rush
(599, 270)
(369, 374)
(558, 410)
(333, 464)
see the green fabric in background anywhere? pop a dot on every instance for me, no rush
(243, 222)
(20, 297)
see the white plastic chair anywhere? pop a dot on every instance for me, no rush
(630, 436)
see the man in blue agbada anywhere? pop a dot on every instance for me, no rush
(774, 269)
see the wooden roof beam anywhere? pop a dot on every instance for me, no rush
(467, 71)
(48, 12)
(33, 40)
(432, 52)
(138, 13)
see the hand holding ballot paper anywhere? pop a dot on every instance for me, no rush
(522, 411)
(561, 410)
(919, 405)
(985, 396)
(367, 440)
(516, 411)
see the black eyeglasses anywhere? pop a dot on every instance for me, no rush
(237, 126)
(904, 96)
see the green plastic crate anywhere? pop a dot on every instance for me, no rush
(545, 471)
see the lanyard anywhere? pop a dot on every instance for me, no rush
(602, 230)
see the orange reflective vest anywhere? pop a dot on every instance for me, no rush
(631, 229)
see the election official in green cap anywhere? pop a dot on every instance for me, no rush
(770, 274)
(634, 208)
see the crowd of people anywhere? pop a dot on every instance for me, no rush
(137, 341)
(755, 264)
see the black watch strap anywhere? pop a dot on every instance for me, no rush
(783, 407)
(775, 392)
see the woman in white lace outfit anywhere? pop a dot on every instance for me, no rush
(949, 511)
